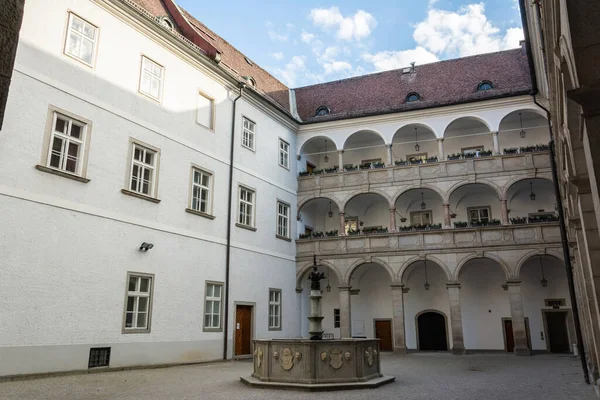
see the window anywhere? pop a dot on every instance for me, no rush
(284, 154)
(205, 114)
(81, 40)
(166, 22)
(479, 214)
(212, 306)
(472, 150)
(138, 303)
(66, 144)
(283, 220)
(322, 111)
(416, 157)
(99, 357)
(143, 170)
(336, 317)
(413, 97)
(485, 85)
(420, 218)
(274, 309)
(201, 188)
(248, 134)
(246, 216)
(351, 223)
(151, 78)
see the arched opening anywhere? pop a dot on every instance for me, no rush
(475, 204)
(547, 304)
(364, 148)
(432, 329)
(330, 302)
(318, 217)
(467, 137)
(367, 213)
(318, 153)
(523, 129)
(485, 305)
(531, 200)
(419, 209)
(414, 143)
(426, 284)
(371, 304)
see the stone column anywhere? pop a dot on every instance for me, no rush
(390, 155)
(441, 156)
(504, 212)
(447, 222)
(342, 231)
(496, 144)
(345, 312)
(341, 159)
(517, 316)
(458, 344)
(392, 220)
(398, 318)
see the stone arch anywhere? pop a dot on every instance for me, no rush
(302, 144)
(344, 146)
(509, 184)
(533, 253)
(507, 270)
(458, 185)
(422, 186)
(485, 122)
(535, 110)
(349, 198)
(307, 267)
(304, 202)
(400, 276)
(363, 261)
(431, 310)
(417, 124)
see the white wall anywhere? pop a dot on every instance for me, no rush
(374, 300)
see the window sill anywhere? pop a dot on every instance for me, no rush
(62, 173)
(199, 213)
(249, 148)
(140, 196)
(274, 329)
(126, 331)
(283, 238)
(245, 227)
(212, 329)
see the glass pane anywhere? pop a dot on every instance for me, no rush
(145, 285)
(56, 152)
(89, 31)
(145, 85)
(130, 303)
(210, 290)
(484, 212)
(205, 180)
(474, 215)
(76, 131)
(129, 320)
(426, 219)
(215, 321)
(155, 87)
(217, 291)
(87, 50)
(132, 283)
(204, 195)
(74, 44)
(141, 320)
(149, 158)
(216, 307)
(143, 304)
(73, 154)
(137, 153)
(207, 321)
(61, 125)
(76, 23)
(197, 177)
(146, 64)
(134, 177)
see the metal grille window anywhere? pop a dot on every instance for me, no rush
(248, 134)
(336, 317)
(99, 357)
(201, 184)
(284, 154)
(212, 306)
(66, 150)
(139, 301)
(479, 214)
(246, 216)
(81, 40)
(283, 220)
(151, 78)
(274, 309)
(143, 170)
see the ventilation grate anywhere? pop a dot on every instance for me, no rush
(99, 357)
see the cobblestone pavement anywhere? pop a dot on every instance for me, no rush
(418, 376)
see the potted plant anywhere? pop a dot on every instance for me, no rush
(461, 224)
(350, 167)
(485, 153)
(304, 173)
(366, 165)
(542, 147)
(405, 229)
(432, 159)
(352, 232)
(493, 222)
(416, 161)
(435, 226)
(527, 149)
(331, 233)
(381, 230)
(331, 170)
(400, 162)
(402, 219)
(552, 218)
(378, 164)
(454, 156)
(419, 227)
(317, 172)
(518, 220)
(511, 150)
(478, 223)
(304, 235)
(470, 155)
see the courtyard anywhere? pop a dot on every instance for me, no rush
(418, 376)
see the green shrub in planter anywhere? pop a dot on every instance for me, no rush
(511, 150)
(304, 235)
(432, 159)
(435, 226)
(527, 149)
(317, 172)
(332, 233)
(494, 222)
(365, 166)
(352, 232)
(304, 173)
(318, 234)
(454, 156)
(518, 220)
(400, 162)
(330, 170)
(542, 147)
(378, 164)
(461, 224)
(485, 153)
(405, 228)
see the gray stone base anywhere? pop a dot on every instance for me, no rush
(459, 351)
(522, 352)
(318, 387)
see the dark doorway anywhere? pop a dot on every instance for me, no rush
(558, 336)
(383, 332)
(243, 330)
(432, 332)
(508, 334)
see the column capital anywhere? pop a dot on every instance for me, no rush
(341, 151)
(393, 209)
(447, 205)
(397, 286)
(344, 288)
(503, 201)
(452, 285)
(342, 213)
(494, 132)
(299, 290)
(440, 139)
(389, 145)
(513, 282)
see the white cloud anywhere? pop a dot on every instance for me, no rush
(336, 67)
(307, 37)
(277, 37)
(289, 26)
(354, 27)
(431, 3)
(512, 38)
(295, 71)
(386, 60)
(278, 56)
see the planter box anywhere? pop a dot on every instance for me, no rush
(379, 166)
(400, 163)
(405, 229)
(353, 233)
(453, 158)
(331, 171)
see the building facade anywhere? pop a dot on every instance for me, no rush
(165, 198)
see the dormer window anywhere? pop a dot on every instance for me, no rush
(250, 80)
(413, 97)
(485, 85)
(322, 111)
(166, 22)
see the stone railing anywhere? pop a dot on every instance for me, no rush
(439, 240)
(521, 164)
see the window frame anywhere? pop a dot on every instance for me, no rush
(162, 79)
(209, 212)
(322, 111)
(124, 329)
(472, 149)
(469, 209)
(212, 112)
(421, 212)
(490, 83)
(204, 327)
(411, 94)
(417, 156)
(286, 152)
(288, 226)
(96, 41)
(275, 304)
(336, 318)
(252, 226)
(244, 119)
(153, 196)
(81, 174)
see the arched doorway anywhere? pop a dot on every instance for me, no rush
(431, 326)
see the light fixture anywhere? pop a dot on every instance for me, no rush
(326, 158)
(330, 213)
(522, 133)
(146, 246)
(328, 287)
(423, 205)
(426, 285)
(531, 195)
(417, 139)
(544, 281)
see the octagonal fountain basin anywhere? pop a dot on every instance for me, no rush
(304, 364)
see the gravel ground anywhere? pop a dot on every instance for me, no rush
(418, 376)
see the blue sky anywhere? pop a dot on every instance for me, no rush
(303, 43)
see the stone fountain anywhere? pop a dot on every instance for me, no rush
(316, 364)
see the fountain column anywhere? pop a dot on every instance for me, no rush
(315, 319)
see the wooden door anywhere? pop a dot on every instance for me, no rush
(243, 330)
(558, 336)
(310, 167)
(508, 335)
(383, 332)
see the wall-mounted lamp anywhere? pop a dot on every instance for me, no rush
(330, 213)
(146, 246)
(423, 205)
